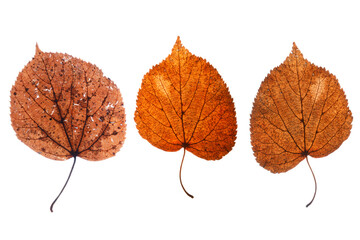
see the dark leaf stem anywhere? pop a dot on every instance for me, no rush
(182, 161)
(314, 181)
(72, 168)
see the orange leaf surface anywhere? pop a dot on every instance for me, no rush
(63, 107)
(184, 103)
(300, 110)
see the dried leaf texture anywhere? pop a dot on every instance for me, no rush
(300, 110)
(184, 103)
(64, 107)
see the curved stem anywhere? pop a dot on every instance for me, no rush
(72, 168)
(314, 181)
(180, 176)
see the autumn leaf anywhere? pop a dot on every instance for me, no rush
(184, 103)
(63, 107)
(300, 110)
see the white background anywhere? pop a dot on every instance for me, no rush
(136, 194)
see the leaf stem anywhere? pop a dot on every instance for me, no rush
(72, 168)
(314, 181)
(180, 176)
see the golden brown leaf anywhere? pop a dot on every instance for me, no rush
(300, 110)
(63, 107)
(184, 103)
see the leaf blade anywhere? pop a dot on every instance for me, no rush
(178, 100)
(53, 100)
(300, 109)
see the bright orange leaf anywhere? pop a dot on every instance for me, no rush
(184, 103)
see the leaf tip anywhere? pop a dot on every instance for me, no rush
(294, 48)
(177, 45)
(295, 52)
(37, 49)
(178, 41)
